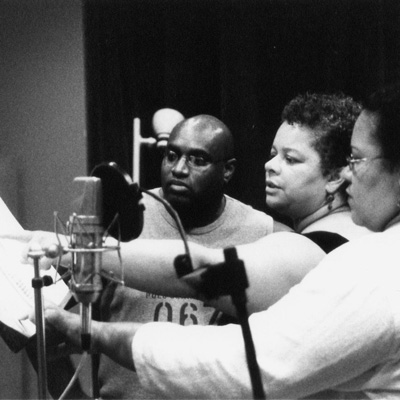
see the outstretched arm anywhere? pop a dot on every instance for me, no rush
(273, 265)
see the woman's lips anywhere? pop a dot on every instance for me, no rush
(271, 187)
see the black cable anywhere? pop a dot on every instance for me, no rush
(229, 278)
(183, 263)
(173, 214)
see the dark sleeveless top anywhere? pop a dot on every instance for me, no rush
(328, 241)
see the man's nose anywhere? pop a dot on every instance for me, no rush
(181, 166)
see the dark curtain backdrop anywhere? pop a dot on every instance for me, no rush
(240, 61)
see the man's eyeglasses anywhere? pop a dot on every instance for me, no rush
(352, 161)
(191, 160)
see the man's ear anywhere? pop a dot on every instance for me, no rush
(229, 169)
(335, 180)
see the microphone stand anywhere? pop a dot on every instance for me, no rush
(37, 283)
(138, 140)
(163, 122)
(86, 338)
(230, 278)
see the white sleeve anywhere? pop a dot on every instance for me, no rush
(333, 327)
(179, 362)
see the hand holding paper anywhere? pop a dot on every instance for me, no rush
(16, 291)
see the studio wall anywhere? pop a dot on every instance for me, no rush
(42, 130)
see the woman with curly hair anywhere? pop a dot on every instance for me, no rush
(304, 173)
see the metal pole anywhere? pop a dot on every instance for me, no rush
(138, 140)
(136, 151)
(37, 284)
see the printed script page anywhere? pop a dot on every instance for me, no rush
(17, 298)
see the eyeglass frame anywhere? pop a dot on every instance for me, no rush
(351, 161)
(188, 158)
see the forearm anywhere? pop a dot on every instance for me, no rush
(111, 339)
(115, 341)
(273, 265)
(149, 265)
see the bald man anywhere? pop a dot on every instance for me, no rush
(197, 165)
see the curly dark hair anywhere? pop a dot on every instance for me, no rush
(331, 119)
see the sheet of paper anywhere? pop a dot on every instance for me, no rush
(17, 297)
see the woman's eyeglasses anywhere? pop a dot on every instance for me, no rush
(352, 161)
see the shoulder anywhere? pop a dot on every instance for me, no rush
(151, 203)
(148, 195)
(247, 214)
(284, 244)
(378, 251)
(339, 223)
(157, 223)
(234, 205)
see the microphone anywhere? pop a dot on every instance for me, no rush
(86, 235)
(106, 203)
(85, 227)
(163, 122)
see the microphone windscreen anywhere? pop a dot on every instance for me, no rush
(121, 197)
(163, 122)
